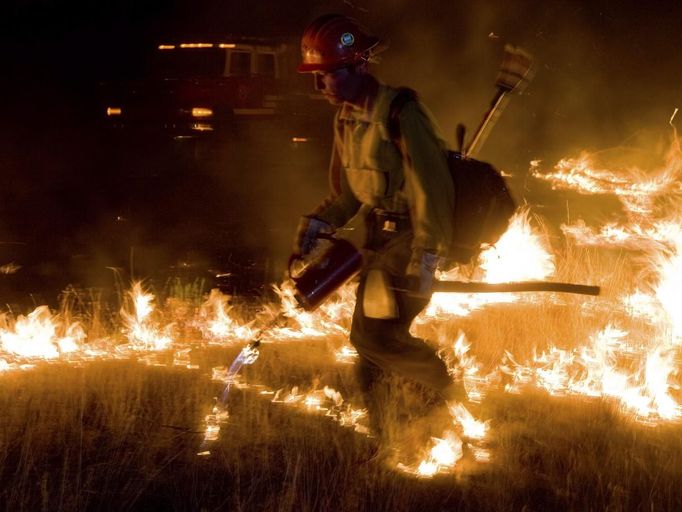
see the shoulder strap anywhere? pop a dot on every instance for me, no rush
(404, 96)
(335, 170)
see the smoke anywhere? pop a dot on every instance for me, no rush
(596, 85)
(607, 74)
(603, 71)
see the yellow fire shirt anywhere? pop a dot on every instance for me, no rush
(366, 168)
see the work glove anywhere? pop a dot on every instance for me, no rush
(307, 234)
(420, 273)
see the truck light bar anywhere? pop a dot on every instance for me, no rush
(202, 112)
(196, 45)
(202, 127)
(114, 111)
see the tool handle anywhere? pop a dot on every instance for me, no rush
(487, 122)
(522, 286)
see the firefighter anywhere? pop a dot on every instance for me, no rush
(406, 191)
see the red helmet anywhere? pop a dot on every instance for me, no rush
(333, 41)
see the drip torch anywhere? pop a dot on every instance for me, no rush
(325, 272)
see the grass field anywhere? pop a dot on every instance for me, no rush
(580, 396)
(124, 434)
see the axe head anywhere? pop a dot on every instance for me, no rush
(515, 68)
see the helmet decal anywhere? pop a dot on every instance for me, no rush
(347, 39)
(333, 41)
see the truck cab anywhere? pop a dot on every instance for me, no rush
(195, 87)
(204, 154)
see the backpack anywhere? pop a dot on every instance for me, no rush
(483, 204)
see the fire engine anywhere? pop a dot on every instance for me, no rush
(184, 141)
(196, 87)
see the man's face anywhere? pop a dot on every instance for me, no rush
(339, 85)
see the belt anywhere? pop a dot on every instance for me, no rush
(391, 222)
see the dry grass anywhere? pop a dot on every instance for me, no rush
(120, 435)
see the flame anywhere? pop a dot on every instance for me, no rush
(464, 366)
(521, 253)
(182, 358)
(142, 331)
(332, 317)
(216, 322)
(660, 365)
(9, 268)
(328, 401)
(213, 421)
(636, 236)
(635, 188)
(632, 365)
(443, 453)
(473, 428)
(635, 370)
(638, 190)
(668, 266)
(442, 456)
(230, 376)
(642, 386)
(446, 452)
(346, 355)
(36, 335)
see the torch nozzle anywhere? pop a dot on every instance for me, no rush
(258, 337)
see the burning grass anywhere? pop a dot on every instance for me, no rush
(123, 436)
(576, 399)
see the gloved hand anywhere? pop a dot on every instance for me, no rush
(420, 273)
(309, 229)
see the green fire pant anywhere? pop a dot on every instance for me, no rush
(386, 345)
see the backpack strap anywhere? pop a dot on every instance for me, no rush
(335, 175)
(404, 96)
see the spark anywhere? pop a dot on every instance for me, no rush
(9, 268)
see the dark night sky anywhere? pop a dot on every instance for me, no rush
(606, 64)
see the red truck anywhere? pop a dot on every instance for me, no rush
(199, 86)
(195, 148)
